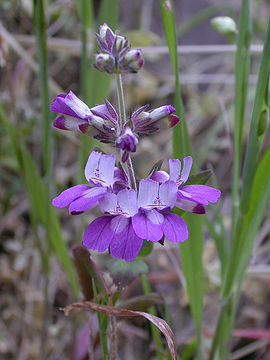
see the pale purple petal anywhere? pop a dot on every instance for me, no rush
(160, 176)
(59, 106)
(77, 105)
(145, 228)
(108, 203)
(175, 169)
(168, 194)
(201, 194)
(99, 169)
(174, 228)
(88, 199)
(126, 245)
(127, 201)
(98, 234)
(187, 165)
(189, 206)
(69, 195)
(148, 192)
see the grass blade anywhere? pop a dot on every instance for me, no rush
(242, 67)
(191, 250)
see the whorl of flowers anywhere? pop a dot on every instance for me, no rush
(129, 216)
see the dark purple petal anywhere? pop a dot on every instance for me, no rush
(98, 234)
(201, 194)
(69, 195)
(174, 228)
(88, 199)
(126, 244)
(146, 229)
(59, 106)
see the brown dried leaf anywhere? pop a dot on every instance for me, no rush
(113, 311)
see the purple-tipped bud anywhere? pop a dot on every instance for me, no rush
(149, 122)
(105, 63)
(132, 61)
(127, 143)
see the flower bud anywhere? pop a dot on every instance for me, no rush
(105, 62)
(127, 143)
(132, 61)
(224, 25)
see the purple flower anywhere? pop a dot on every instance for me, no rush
(99, 171)
(99, 122)
(149, 122)
(154, 221)
(115, 231)
(191, 198)
(127, 143)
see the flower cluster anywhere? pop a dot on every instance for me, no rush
(115, 54)
(129, 216)
(102, 122)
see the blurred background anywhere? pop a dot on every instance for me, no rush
(37, 277)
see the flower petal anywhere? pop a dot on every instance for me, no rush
(147, 229)
(88, 199)
(70, 123)
(126, 244)
(127, 201)
(190, 206)
(168, 194)
(59, 106)
(160, 176)
(201, 194)
(174, 228)
(187, 165)
(175, 169)
(69, 195)
(108, 203)
(99, 169)
(148, 192)
(98, 234)
(77, 105)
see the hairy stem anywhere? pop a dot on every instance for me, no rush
(121, 100)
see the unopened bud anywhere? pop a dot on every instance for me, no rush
(105, 62)
(224, 25)
(161, 113)
(127, 143)
(102, 30)
(133, 60)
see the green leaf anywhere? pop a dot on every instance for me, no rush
(124, 272)
(200, 177)
(146, 249)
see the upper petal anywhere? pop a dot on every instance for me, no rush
(127, 201)
(59, 106)
(201, 194)
(175, 169)
(174, 228)
(69, 195)
(148, 193)
(98, 234)
(99, 169)
(187, 165)
(77, 105)
(168, 193)
(126, 244)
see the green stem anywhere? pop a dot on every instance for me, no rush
(121, 100)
